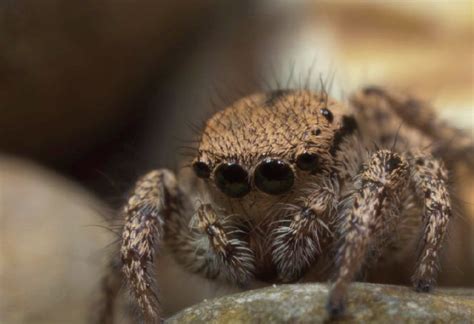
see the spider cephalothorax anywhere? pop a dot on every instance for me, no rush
(289, 179)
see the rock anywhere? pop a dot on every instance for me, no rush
(304, 303)
(52, 246)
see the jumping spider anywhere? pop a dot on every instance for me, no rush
(282, 179)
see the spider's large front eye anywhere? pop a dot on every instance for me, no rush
(232, 180)
(274, 176)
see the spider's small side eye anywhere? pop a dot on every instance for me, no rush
(274, 176)
(393, 163)
(307, 161)
(201, 169)
(327, 114)
(232, 179)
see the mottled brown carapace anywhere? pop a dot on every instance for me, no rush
(293, 185)
(282, 124)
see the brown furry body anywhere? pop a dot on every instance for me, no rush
(362, 181)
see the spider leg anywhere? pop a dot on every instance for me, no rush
(227, 244)
(150, 204)
(377, 104)
(365, 216)
(298, 239)
(429, 177)
(205, 243)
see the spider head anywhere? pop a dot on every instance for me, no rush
(270, 144)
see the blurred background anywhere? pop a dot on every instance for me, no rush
(95, 93)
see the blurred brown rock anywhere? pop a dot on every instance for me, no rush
(52, 246)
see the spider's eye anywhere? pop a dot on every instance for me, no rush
(232, 180)
(393, 163)
(274, 176)
(201, 169)
(307, 161)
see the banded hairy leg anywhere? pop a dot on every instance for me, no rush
(304, 229)
(389, 110)
(158, 212)
(375, 200)
(375, 208)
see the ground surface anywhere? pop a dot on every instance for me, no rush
(304, 303)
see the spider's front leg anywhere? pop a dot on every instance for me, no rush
(297, 239)
(155, 197)
(226, 246)
(373, 209)
(157, 205)
(429, 177)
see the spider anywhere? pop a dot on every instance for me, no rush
(284, 180)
